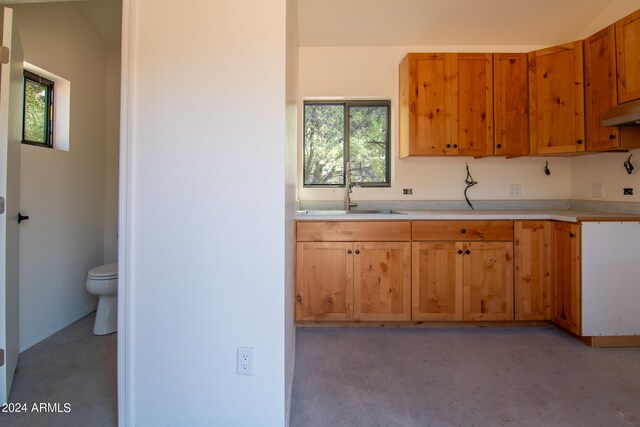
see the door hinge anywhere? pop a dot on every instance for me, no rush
(1, 205)
(1, 356)
(5, 54)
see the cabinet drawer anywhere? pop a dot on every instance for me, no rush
(350, 231)
(462, 230)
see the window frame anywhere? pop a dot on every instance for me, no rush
(347, 104)
(28, 75)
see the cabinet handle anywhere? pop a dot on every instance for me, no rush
(299, 298)
(467, 252)
(579, 142)
(357, 252)
(572, 235)
(464, 230)
(499, 146)
(349, 251)
(459, 251)
(448, 145)
(455, 145)
(612, 136)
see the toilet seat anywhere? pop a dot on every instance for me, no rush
(104, 272)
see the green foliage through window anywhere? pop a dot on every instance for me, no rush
(337, 132)
(38, 110)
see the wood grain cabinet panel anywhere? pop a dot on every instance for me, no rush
(425, 104)
(601, 93)
(566, 276)
(628, 46)
(382, 281)
(479, 230)
(488, 281)
(472, 101)
(437, 281)
(511, 104)
(532, 281)
(324, 281)
(556, 96)
(349, 231)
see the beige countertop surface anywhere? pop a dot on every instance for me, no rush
(400, 215)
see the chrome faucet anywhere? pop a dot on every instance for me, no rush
(348, 187)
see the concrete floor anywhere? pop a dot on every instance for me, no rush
(461, 377)
(73, 366)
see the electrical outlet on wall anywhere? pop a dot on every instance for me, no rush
(245, 361)
(597, 191)
(515, 191)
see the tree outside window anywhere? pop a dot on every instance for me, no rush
(354, 131)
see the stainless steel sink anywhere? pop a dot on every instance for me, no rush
(352, 212)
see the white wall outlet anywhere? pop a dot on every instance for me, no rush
(597, 191)
(245, 361)
(515, 191)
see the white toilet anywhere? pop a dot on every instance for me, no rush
(102, 281)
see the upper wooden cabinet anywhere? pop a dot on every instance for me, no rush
(446, 104)
(472, 102)
(556, 97)
(511, 104)
(425, 104)
(628, 43)
(601, 93)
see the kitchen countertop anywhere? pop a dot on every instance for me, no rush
(401, 215)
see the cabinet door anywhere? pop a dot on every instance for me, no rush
(600, 88)
(472, 100)
(532, 258)
(425, 104)
(437, 281)
(511, 104)
(566, 276)
(382, 281)
(488, 281)
(324, 281)
(557, 99)
(628, 43)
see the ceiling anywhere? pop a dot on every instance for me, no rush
(444, 22)
(105, 16)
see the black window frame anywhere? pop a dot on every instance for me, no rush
(28, 75)
(347, 141)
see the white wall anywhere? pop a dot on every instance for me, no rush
(62, 192)
(372, 72)
(204, 221)
(111, 147)
(290, 194)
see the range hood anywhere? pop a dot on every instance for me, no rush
(627, 114)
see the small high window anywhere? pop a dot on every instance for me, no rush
(346, 131)
(37, 125)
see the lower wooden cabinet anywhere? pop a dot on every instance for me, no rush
(532, 285)
(566, 276)
(487, 271)
(437, 281)
(462, 281)
(344, 281)
(382, 281)
(324, 281)
(488, 281)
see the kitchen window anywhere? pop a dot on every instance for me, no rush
(37, 124)
(346, 131)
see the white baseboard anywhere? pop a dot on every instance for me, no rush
(30, 342)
